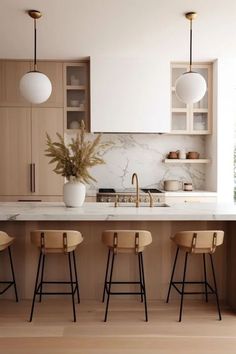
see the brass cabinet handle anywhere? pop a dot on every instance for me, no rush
(32, 177)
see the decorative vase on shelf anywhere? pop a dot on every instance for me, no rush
(74, 193)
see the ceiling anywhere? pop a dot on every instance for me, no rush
(72, 29)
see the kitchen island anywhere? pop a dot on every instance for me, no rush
(18, 219)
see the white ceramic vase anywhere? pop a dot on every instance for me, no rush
(74, 193)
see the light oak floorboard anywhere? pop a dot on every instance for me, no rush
(52, 330)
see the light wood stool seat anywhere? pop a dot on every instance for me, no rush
(125, 241)
(196, 242)
(5, 243)
(61, 242)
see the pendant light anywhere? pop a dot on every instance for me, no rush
(190, 87)
(35, 86)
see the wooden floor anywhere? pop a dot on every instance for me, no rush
(53, 332)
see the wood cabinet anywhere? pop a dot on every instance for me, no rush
(76, 95)
(15, 151)
(45, 120)
(25, 170)
(54, 71)
(130, 95)
(191, 118)
(11, 71)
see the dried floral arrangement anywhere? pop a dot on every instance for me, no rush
(74, 160)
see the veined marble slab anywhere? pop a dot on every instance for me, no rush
(106, 211)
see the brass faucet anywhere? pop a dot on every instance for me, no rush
(116, 201)
(151, 199)
(135, 177)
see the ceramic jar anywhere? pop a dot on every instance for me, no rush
(172, 185)
(188, 187)
(182, 154)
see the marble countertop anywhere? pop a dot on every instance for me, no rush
(106, 211)
(194, 193)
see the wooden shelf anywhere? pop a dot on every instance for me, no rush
(75, 109)
(186, 160)
(76, 87)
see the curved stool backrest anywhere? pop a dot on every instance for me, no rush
(199, 241)
(5, 240)
(127, 241)
(56, 241)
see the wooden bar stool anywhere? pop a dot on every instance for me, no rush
(56, 241)
(196, 242)
(5, 243)
(125, 241)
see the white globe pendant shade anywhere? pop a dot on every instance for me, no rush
(190, 87)
(35, 87)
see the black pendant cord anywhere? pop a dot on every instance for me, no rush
(191, 40)
(35, 47)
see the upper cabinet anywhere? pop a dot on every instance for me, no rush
(54, 71)
(192, 118)
(130, 95)
(11, 72)
(76, 95)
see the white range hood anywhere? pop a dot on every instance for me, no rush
(130, 95)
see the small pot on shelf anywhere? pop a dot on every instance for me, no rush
(188, 186)
(173, 155)
(193, 155)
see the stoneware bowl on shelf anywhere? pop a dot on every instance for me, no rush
(193, 155)
(173, 155)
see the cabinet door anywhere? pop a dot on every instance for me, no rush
(10, 74)
(15, 151)
(54, 71)
(192, 118)
(130, 95)
(44, 120)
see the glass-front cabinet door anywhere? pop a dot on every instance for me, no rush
(191, 118)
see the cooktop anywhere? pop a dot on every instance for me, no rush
(112, 190)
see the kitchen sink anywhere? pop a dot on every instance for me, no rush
(141, 205)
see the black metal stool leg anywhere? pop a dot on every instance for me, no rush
(172, 274)
(140, 276)
(76, 276)
(35, 287)
(144, 287)
(72, 289)
(182, 292)
(41, 278)
(105, 280)
(109, 288)
(205, 276)
(216, 291)
(12, 272)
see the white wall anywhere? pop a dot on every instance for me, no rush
(225, 117)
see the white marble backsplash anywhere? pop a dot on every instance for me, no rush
(144, 154)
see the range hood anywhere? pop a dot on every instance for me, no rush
(130, 95)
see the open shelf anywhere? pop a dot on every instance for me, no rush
(76, 95)
(186, 160)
